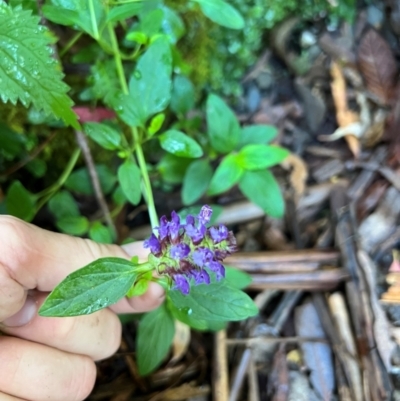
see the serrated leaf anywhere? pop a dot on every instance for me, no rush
(149, 86)
(222, 13)
(20, 202)
(263, 190)
(105, 136)
(223, 126)
(104, 80)
(28, 72)
(99, 284)
(197, 179)
(257, 134)
(63, 204)
(226, 175)
(258, 157)
(378, 65)
(73, 225)
(215, 301)
(155, 333)
(100, 233)
(179, 144)
(129, 178)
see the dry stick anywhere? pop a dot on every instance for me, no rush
(84, 146)
(220, 373)
(249, 342)
(254, 390)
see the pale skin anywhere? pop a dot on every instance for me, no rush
(53, 358)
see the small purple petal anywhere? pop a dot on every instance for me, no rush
(163, 228)
(179, 251)
(201, 277)
(190, 219)
(196, 234)
(153, 244)
(174, 226)
(181, 284)
(219, 234)
(217, 268)
(205, 214)
(201, 256)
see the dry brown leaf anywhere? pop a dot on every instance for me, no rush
(181, 341)
(298, 174)
(378, 65)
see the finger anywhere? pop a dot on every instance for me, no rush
(35, 372)
(97, 335)
(6, 397)
(33, 258)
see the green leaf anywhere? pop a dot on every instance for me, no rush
(105, 136)
(100, 233)
(237, 278)
(172, 24)
(99, 284)
(129, 178)
(215, 301)
(11, 143)
(179, 144)
(125, 11)
(222, 13)
(258, 157)
(149, 86)
(196, 181)
(20, 202)
(37, 167)
(263, 190)
(63, 204)
(79, 181)
(223, 127)
(150, 22)
(78, 225)
(183, 96)
(155, 334)
(226, 175)
(257, 134)
(172, 169)
(118, 196)
(28, 72)
(138, 37)
(140, 286)
(155, 124)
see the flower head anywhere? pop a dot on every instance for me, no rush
(189, 253)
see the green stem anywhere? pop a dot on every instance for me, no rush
(94, 21)
(49, 192)
(73, 40)
(138, 147)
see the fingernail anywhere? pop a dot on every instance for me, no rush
(24, 316)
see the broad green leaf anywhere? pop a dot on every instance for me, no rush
(183, 96)
(105, 136)
(237, 278)
(226, 175)
(258, 157)
(99, 284)
(11, 143)
(215, 301)
(118, 196)
(179, 144)
(20, 202)
(150, 22)
(223, 126)
(63, 204)
(172, 169)
(196, 181)
(257, 134)
(28, 71)
(172, 24)
(156, 124)
(125, 11)
(100, 233)
(155, 334)
(129, 178)
(149, 86)
(263, 190)
(73, 225)
(222, 13)
(79, 181)
(195, 210)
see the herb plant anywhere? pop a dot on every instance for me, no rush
(137, 72)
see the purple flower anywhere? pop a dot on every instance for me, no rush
(153, 244)
(195, 233)
(217, 268)
(181, 284)
(205, 215)
(219, 234)
(174, 226)
(202, 256)
(179, 251)
(201, 277)
(163, 229)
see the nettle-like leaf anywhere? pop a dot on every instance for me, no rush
(28, 72)
(96, 286)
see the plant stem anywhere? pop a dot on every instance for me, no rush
(70, 43)
(138, 146)
(94, 21)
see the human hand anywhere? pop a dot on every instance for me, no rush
(52, 358)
